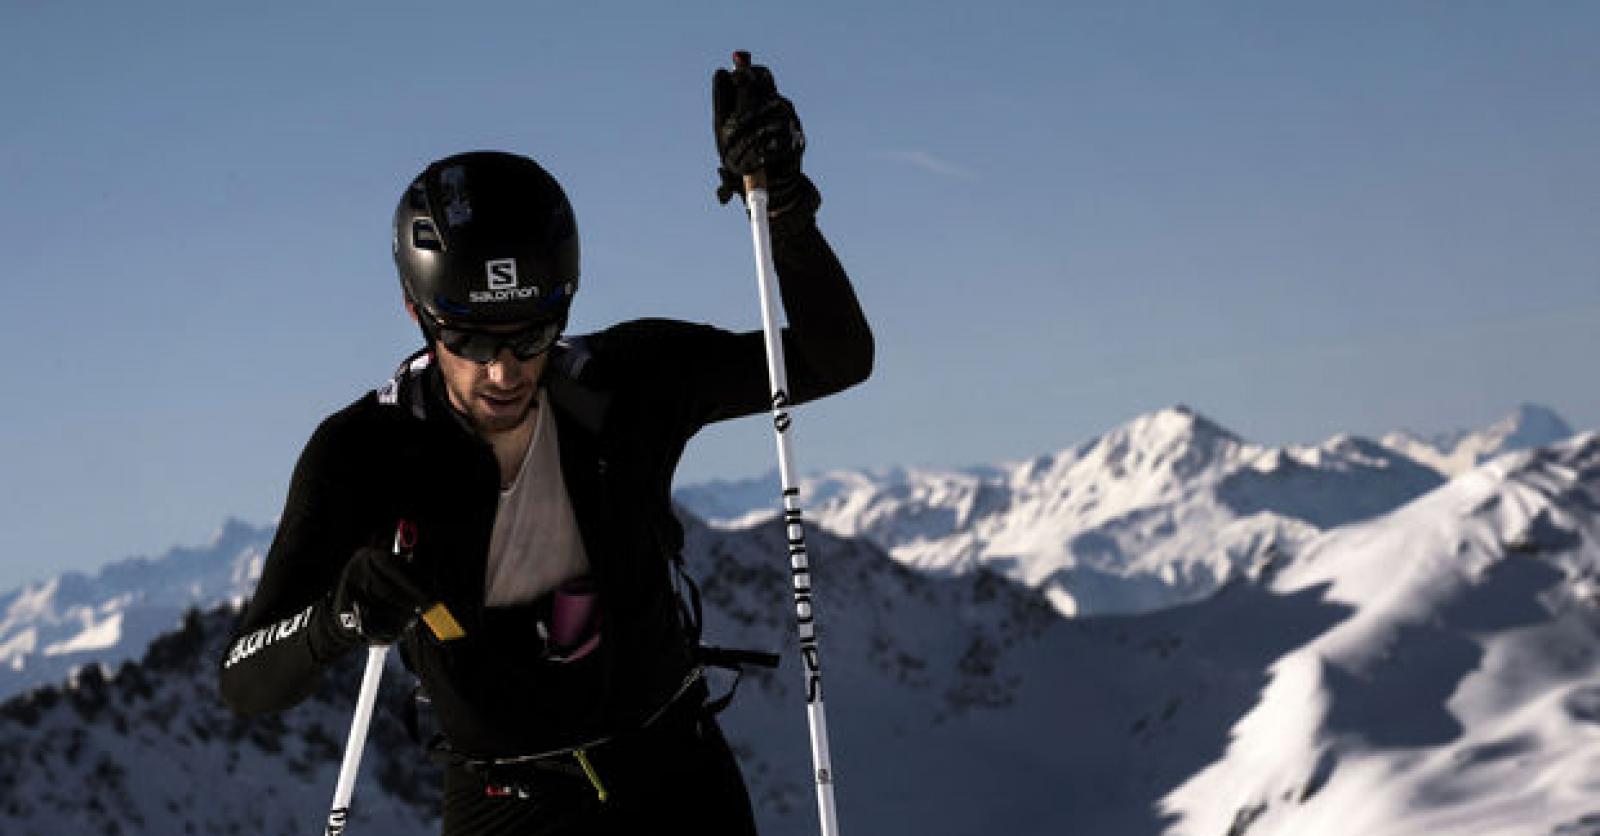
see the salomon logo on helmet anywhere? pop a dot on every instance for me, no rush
(502, 273)
(502, 277)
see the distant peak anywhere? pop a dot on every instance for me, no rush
(1180, 420)
(233, 531)
(1176, 437)
(1532, 414)
(1351, 441)
(1528, 426)
(1531, 425)
(234, 526)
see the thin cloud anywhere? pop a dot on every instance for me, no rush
(928, 162)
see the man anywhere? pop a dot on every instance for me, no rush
(533, 476)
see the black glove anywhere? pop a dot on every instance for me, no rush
(377, 597)
(757, 130)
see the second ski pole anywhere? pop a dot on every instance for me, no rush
(794, 530)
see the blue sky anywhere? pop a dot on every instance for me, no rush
(1300, 220)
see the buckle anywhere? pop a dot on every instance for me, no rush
(504, 791)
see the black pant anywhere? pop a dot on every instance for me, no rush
(678, 775)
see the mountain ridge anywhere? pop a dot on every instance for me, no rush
(50, 626)
(1159, 511)
(1457, 451)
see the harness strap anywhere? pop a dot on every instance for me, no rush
(500, 781)
(734, 660)
(689, 607)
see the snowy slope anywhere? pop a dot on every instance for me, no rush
(50, 627)
(1160, 511)
(149, 749)
(1462, 694)
(1456, 452)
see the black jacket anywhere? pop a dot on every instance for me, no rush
(626, 401)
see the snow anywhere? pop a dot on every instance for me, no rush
(1158, 512)
(1459, 696)
(148, 749)
(1454, 453)
(96, 635)
(16, 649)
(48, 628)
(33, 601)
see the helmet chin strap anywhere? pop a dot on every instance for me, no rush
(412, 310)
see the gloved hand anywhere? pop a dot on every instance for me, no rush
(377, 597)
(757, 130)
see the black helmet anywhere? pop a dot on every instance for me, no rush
(487, 237)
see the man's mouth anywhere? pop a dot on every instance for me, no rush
(503, 399)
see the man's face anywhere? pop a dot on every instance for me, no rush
(495, 396)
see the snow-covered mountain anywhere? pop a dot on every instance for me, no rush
(149, 749)
(1455, 452)
(51, 627)
(1432, 670)
(1461, 694)
(1160, 511)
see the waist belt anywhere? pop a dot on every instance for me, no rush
(515, 776)
(517, 780)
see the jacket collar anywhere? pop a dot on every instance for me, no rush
(418, 388)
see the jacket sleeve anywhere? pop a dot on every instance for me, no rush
(712, 374)
(286, 635)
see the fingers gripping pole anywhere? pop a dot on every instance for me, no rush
(799, 560)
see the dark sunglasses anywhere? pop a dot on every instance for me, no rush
(481, 346)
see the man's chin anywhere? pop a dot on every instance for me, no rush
(491, 419)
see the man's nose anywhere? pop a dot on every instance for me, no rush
(504, 368)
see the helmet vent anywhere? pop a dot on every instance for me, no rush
(424, 236)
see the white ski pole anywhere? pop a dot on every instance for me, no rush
(340, 814)
(755, 191)
(404, 538)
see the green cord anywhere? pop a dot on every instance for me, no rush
(594, 777)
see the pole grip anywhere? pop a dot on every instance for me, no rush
(757, 179)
